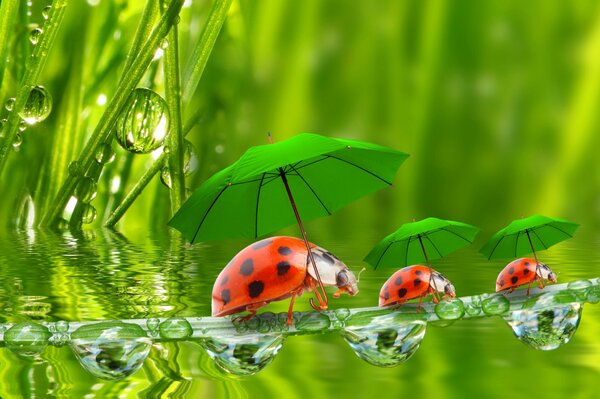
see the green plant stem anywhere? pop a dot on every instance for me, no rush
(34, 66)
(8, 16)
(175, 139)
(144, 29)
(197, 62)
(103, 130)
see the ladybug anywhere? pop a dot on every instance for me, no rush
(273, 269)
(413, 282)
(523, 271)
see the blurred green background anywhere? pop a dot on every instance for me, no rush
(495, 101)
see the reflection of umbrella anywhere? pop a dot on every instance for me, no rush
(523, 236)
(427, 239)
(252, 197)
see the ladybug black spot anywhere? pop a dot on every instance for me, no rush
(247, 267)
(511, 270)
(398, 280)
(526, 272)
(386, 296)
(402, 292)
(255, 288)
(418, 272)
(284, 250)
(417, 282)
(501, 283)
(226, 296)
(282, 268)
(514, 279)
(526, 263)
(332, 255)
(261, 244)
(224, 280)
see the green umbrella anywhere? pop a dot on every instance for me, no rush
(421, 241)
(314, 174)
(523, 236)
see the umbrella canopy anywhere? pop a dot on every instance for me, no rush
(275, 185)
(523, 236)
(249, 198)
(421, 241)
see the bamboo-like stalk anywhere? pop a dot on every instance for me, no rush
(104, 128)
(8, 16)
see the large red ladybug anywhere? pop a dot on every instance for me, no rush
(413, 282)
(523, 271)
(273, 269)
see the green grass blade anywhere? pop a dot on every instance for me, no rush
(8, 16)
(35, 64)
(103, 130)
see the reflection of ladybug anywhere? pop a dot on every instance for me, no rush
(523, 271)
(414, 282)
(274, 269)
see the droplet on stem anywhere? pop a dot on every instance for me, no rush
(37, 107)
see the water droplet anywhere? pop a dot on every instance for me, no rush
(164, 43)
(473, 308)
(548, 322)
(37, 107)
(593, 294)
(27, 339)
(89, 214)
(386, 341)
(34, 35)
(62, 326)
(2, 125)
(111, 350)
(22, 126)
(75, 169)
(342, 313)
(152, 324)
(46, 12)
(10, 104)
(495, 305)
(86, 189)
(165, 176)
(243, 355)
(18, 140)
(175, 328)
(105, 154)
(314, 321)
(143, 124)
(190, 163)
(580, 288)
(450, 310)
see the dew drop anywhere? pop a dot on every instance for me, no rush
(143, 124)
(152, 324)
(86, 189)
(10, 104)
(89, 214)
(593, 294)
(165, 176)
(164, 43)
(495, 305)
(22, 126)
(2, 125)
(385, 341)
(37, 107)
(243, 355)
(35, 35)
(190, 163)
(17, 141)
(62, 326)
(46, 12)
(111, 350)
(314, 321)
(75, 169)
(450, 310)
(27, 339)
(105, 154)
(580, 288)
(175, 328)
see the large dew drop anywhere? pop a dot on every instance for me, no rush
(190, 164)
(548, 321)
(386, 341)
(450, 310)
(175, 328)
(243, 355)
(27, 339)
(37, 107)
(144, 123)
(111, 350)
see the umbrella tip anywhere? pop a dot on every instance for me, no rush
(270, 138)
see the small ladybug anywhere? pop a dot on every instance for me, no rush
(273, 269)
(523, 271)
(413, 282)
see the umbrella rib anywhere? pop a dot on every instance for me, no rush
(383, 253)
(309, 163)
(434, 246)
(257, 202)
(361, 168)
(406, 252)
(271, 179)
(495, 246)
(538, 237)
(517, 243)
(561, 230)
(207, 211)
(312, 190)
(456, 234)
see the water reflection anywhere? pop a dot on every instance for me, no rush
(548, 321)
(111, 351)
(386, 341)
(243, 355)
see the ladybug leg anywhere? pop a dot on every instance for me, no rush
(322, 304)
(289, 319)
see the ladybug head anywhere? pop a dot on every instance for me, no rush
(442, 284)
(333, 272)
(545, 273)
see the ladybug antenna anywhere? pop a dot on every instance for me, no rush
(362, 270)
